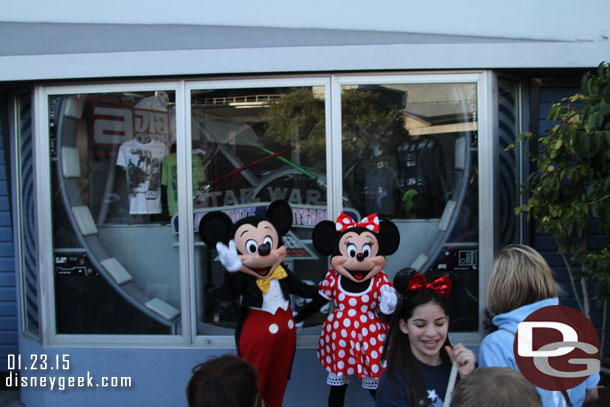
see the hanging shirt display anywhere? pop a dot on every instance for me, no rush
(378, 175)
(170, 175)
(142, 164)
(422, 177)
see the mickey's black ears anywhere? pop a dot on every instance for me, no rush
(280, 214)
(324, 237)
(215, 227)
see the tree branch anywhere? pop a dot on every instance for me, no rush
(565, 261)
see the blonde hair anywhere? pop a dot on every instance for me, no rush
(520, 276)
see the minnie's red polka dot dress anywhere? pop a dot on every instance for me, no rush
(352, 337)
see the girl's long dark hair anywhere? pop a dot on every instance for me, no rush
(397, 349)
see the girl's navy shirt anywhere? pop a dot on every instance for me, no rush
(392, 393)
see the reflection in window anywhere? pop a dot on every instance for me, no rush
(410, 155)
(257, 146)
(108, 152)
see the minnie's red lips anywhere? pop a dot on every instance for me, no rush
(359, 274)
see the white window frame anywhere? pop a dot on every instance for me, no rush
(487, 142)
(486, 99)
(224, 341)
(45, 228)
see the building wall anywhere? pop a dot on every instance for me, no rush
(8, 293)
(158, 377)
(304, 389)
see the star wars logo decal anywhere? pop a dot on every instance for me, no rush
(295, 196)
(302, 216)
(556, 348)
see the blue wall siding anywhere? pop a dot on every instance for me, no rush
(8, 291)
(545, 244)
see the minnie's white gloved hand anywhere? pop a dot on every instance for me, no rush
(228, 256)
(387, 305)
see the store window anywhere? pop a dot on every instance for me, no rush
(124, 224)
(115, 257)
(258, 145)
(409, 154)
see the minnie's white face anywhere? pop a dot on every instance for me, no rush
(259, 248)
(427, 330)
(359, 259)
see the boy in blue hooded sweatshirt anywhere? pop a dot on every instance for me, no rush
(521, 283)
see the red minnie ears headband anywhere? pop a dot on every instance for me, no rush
(344, 222)
(441, 285)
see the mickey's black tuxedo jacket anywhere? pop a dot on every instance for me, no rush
(252, 297)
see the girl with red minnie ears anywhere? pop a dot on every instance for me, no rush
(417, 350)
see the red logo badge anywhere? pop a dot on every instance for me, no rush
(556, 348)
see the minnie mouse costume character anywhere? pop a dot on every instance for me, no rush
(266, 332)
(352, 338)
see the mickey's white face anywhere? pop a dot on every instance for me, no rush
(359, 260)
(259, 248)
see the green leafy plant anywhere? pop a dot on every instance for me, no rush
(569, 190)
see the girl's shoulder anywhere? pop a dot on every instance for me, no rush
(393, 384)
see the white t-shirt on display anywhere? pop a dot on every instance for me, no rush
(142, 164)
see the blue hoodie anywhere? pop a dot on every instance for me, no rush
(497, 350)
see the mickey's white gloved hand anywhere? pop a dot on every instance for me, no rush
(388, 301)
(228, 256)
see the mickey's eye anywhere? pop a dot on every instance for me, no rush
(268, 240)
(251, 246)
(366, 250)
(352, 250)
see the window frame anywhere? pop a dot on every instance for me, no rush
(486, 98)
(224, 341)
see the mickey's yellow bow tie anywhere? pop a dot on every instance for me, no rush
(277, 274)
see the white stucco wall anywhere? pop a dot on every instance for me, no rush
(567, 20)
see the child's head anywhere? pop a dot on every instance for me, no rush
(225, 381)
(426, 327)
(520, 276)
(421, 316)
(419, 327)
(495, 386)
(420, 323)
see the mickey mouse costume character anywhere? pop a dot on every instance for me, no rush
(266, 332)
(352, 338)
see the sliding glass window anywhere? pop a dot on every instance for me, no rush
(135, 168)
(409, 154)
(115, 256)
(258, 144)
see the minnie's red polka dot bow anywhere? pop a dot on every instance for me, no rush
(344, 222)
